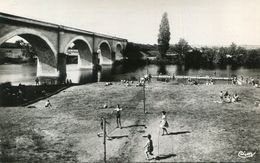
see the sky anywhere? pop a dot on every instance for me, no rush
(200, 22)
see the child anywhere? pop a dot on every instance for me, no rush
(48, 104)
(164, 124)
(102, 127)
(149, 147)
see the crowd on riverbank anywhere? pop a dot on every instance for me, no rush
(21, 94)
(241, 80)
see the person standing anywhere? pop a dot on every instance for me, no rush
(118, 116)
(164, 124)
(37, 81)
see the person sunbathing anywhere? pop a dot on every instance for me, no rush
(227, 98)
(235, 98)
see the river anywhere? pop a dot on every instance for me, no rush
(26, 74)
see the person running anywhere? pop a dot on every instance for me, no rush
(148, 147)
(48, 104)
(118, 116)
(164, 124)
(100, 134)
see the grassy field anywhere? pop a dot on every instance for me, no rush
(200, 129)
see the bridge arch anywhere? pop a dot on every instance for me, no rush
(105, 52)
(85, 51)
(46, 52)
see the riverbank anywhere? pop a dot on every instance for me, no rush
(200, 129)
(23, 95)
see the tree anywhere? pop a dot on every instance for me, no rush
(251, 58)
(20, 43)
(220, 58)
(182, 48)
(164, 36)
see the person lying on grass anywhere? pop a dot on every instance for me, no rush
(221, 95)
(229, 99)
(235, 98)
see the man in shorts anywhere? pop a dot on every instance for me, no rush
(118, 116)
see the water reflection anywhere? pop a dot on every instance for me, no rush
(26, 74)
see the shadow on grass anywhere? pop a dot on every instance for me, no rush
(177, 133)
(118, 137)
(137, 125)
(164, 156)
(141, 131)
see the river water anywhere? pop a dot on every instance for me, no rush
(26, 74)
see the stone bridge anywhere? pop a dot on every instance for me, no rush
(51, 43)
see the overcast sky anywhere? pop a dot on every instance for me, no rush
(203, 22)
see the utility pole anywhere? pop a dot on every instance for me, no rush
(104, 136)
(144, 96)
(146, 66)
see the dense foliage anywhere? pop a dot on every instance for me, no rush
(233, 55)
(183, 53)
(133, 50)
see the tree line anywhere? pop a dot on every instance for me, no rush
(183, 53)
(206, 56)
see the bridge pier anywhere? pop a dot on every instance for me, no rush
(83, 63)
(113, 57)
(62, 67)
(44, 69)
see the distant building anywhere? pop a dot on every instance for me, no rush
(72, 56)
(73, 52)
(12, 51)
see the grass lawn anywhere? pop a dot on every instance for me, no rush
(200, 129)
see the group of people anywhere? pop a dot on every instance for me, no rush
(108, 84)
(242, 80)
(149, 144)
(210, 82)
(146, 78)
(139, 83)
(127, 82)
(192, 81)
(226, 97)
